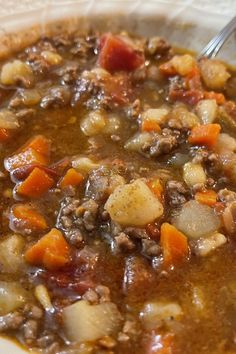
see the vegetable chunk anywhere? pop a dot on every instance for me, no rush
(133, 204)
(36, 184)
(196, 220)
(12, 296)
(205, 135)
(51, 251)
(28, 217)
(116, 54)
(174, 244)
(85, 322)
(71, 178)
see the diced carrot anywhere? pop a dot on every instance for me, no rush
(117, 54)
(71, 178)
(219, 97)
(174, 244)
(29, 217)
(156, 187)
(167, 69)
(4, 135)
(204, 134)
(159, 344)
(150, 125)
(51, 251)
(36, 184)
(27, 157)
(39, 143)
(21, 173)
(206, 197)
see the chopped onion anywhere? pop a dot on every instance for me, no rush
(93, 123)
(198, 298)
(193, 173)
(85, 322)
(42, 295)
(180, 116)
(155, 313)
(112, 124)
(51, 58)
(178, 159)
(8, 120)
(136, 142)
(84, 165)
(16, 71)
(11, 258)
(30, 97)
(12, 296)
(207, 111)
(225, 143)
(209, 244)
(133, 204)
(159, 115)
(101, 74)
(196, 220)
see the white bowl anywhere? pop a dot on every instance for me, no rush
(185, 23)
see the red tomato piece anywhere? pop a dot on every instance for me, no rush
(115, 54)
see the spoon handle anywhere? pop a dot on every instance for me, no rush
(213, 47)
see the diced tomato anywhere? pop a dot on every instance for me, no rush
(219, 207)
(4, 135)
(60, 166)
(193, 80)
(167, 69)
(118, 89)
(116, 54)
(153, 231)
(191, 97)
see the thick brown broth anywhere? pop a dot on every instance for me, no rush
(198, 280)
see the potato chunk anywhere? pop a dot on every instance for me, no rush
(207, 111)
(193, 173)
(133, 204)
(155, 313)
(214, 74)
(85, 322)
(17, 71)
(12, 296)
(11, 259)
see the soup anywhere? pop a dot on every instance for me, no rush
(118, 201)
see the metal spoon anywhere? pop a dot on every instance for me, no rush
(213, 47)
